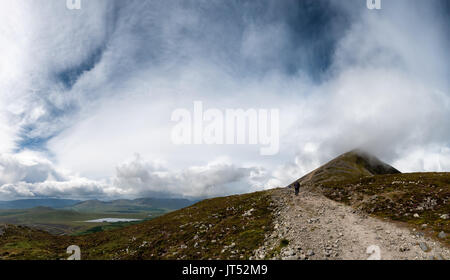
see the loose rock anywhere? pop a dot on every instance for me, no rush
(424, 247)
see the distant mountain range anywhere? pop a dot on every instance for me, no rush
(97, 205)
(130, 206)
(32, 203)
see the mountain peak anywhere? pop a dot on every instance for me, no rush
(351, 164)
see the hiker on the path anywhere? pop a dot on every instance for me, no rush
(297, 188)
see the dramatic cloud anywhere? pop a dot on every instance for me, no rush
(28, 175)
(85, 90)
(219, 177)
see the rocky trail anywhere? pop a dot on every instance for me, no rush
(313, 227)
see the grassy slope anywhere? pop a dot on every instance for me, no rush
(215, 228)
(398, 197)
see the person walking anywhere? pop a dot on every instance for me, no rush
(297, 188)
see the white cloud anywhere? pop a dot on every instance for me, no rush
(428, 159)
(27, 175)
(30, 175)
(385, 89)
(219, 177)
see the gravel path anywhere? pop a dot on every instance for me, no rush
(318, 228)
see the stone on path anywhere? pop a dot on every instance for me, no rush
(424, 247)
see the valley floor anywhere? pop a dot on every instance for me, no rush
(311, 226)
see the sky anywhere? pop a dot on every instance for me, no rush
(86, 96)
